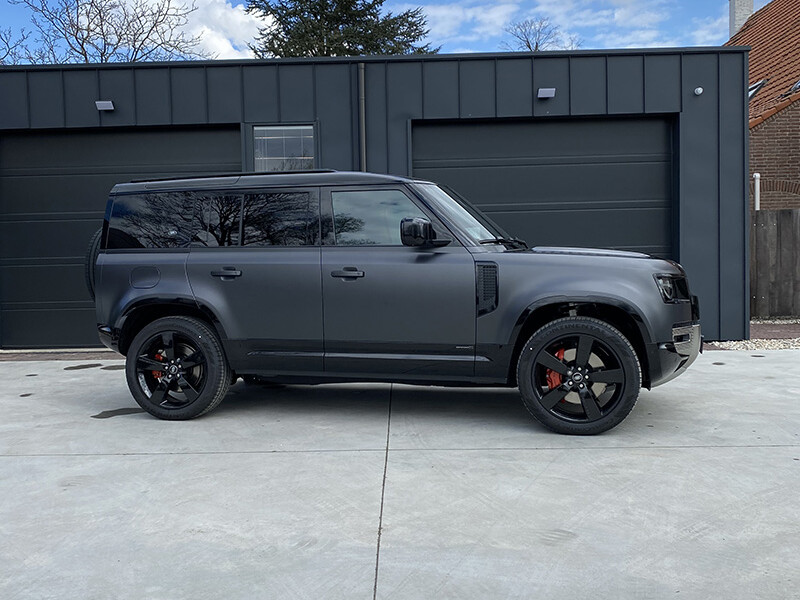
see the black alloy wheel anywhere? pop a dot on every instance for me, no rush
(171, 370)
(579, 375)
(176, 368)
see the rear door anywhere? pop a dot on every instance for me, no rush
(257, 266)
(390, 309)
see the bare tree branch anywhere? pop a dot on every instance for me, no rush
(574, 42)
(100, 31)
(12, 50)
(537, 34)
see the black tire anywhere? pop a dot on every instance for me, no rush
(91, 260)
(176, 368)
(556, 362)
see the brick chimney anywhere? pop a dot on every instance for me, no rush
(740, 11)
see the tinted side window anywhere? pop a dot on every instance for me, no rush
(219, 219)
(159, 220)
(371, 217)
(280, 219)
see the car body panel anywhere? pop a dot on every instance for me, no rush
(412, 313)
(117, 296)
(272, 312)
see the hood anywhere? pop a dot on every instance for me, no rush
(587, 252)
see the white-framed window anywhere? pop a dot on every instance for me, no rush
(283, 147)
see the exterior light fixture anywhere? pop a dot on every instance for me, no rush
(104, 105)
(698, 90)
(545, 93)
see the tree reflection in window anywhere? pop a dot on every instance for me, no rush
(163, 220)
(280, 219)
(220, 219)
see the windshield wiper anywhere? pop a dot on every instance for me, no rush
(513, 242)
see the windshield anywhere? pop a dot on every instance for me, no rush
(459, 212)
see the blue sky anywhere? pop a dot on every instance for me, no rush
(477, 26)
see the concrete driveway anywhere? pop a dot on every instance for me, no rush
(362, 491)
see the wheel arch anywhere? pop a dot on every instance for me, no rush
(140, 314)
(617, 313)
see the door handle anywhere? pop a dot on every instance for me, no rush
(348, 273)
(227, 273)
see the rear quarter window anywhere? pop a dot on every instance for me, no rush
(157, 220)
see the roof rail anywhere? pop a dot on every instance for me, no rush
(239, 174)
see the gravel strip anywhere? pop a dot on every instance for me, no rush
(776, 321)
(769, 344)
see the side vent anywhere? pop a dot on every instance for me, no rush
(486, 287)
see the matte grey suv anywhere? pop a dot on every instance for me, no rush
(332, 276)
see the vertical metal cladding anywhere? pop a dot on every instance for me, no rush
(707, 146)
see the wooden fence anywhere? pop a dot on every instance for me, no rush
(775, 263)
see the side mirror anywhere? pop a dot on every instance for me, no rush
(419, 232)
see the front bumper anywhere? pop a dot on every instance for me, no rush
(670, 359)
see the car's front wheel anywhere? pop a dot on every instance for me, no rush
(579, 375)
(176, 368)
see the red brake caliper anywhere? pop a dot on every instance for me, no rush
(553, 378)
(158, 374)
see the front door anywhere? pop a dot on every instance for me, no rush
(257, 266)
(390, 309)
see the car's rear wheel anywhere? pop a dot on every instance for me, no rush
(579, 375)
(176, 368)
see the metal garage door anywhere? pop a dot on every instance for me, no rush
(592, 183)
(53, 192)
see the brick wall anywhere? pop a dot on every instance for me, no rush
(775, 153)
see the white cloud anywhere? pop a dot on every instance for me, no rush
(465, 21)
(635, 38)
(224, 29)
(572, 13)
(627, 14)
(638, 14)
(711, 31)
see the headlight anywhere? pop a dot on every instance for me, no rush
(673, 288)
(666, 287)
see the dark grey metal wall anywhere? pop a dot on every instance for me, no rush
(53, 191)
(604, 183)
(189, 94)
(404, 95)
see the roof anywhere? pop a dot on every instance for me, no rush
(773, 34)
(257, 180)
(383, 58)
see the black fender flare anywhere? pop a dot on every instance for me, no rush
(185, 305)
(619, 303)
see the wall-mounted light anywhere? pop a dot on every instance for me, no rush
(544, 93)
(698, 91)
(104, 105)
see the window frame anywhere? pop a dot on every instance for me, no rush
(249, 155)
(326, 213)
